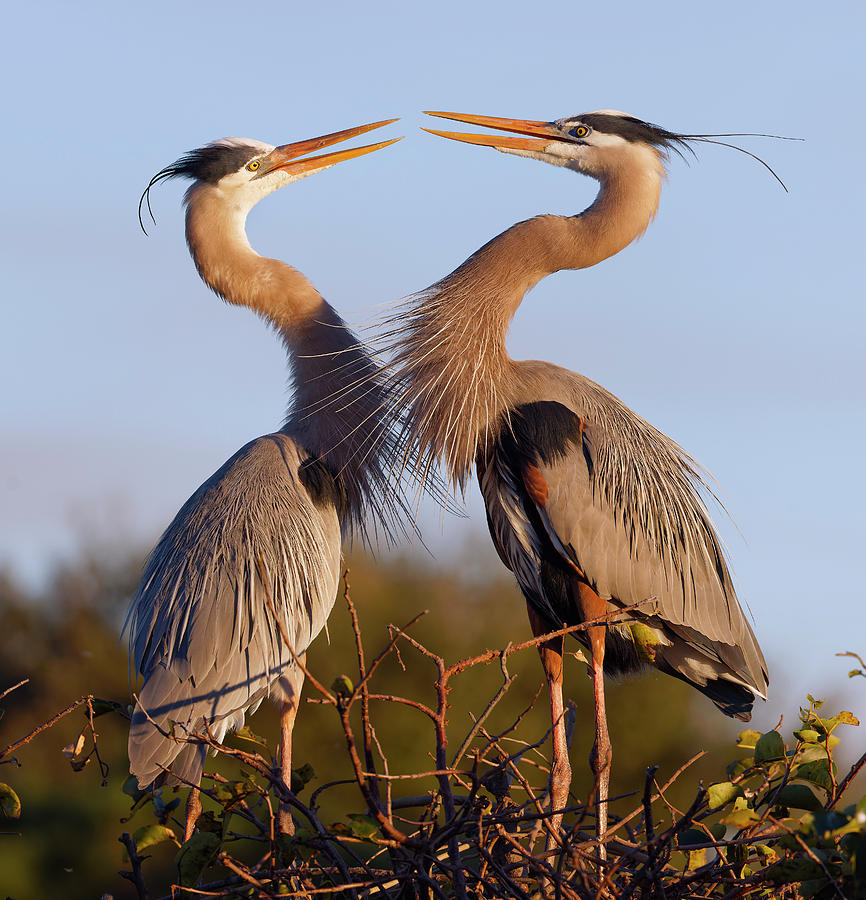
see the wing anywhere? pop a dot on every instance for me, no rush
(262, 531)
(619, 508)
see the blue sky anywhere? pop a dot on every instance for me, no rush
(736, 325)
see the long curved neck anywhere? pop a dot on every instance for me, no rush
(455, 373)
(516, 260)
(217, 239)
(338, 409)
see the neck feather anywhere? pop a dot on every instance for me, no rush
(338, 411)
(454, 374)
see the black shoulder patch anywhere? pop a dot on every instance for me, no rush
(325, 488)
(541, 431)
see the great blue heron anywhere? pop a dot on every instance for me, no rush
(256, 549)
(590, 507)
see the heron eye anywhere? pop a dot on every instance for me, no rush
(581, 131)
(253, 165)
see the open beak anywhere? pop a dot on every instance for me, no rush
(543, 132)
(286, 156)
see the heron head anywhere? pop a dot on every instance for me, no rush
(598, 143)
(595, 143)
(245, 170)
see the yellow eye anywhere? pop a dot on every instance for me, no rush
(580, 131)
(253, 165)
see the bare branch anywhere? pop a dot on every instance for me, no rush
(45, 725)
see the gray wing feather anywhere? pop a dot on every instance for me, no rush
(638, 530)
(625, 501)
(201, 630)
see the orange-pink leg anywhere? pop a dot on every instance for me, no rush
(291, 685)
(193, 811)
(288, 711)
(593, 607)
(560, 770)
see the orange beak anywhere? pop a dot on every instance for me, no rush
(544, 132)
(286, 156)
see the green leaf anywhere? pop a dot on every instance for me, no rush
(342, 685)
(246, 734)
(807, 736)
(645, 641)
(816, 772)
(207, 821)
(814, 887)
(740, 818)
(150, 835)
(302, 777)
(232, 792)
(739, 766)
(717, 830)
(769, 747)
(748, 738)
(363, 826)
(828, 821)
(101, 707)
(798, 796)
(767, 852)
(130, 786)
(843, 718)
(697, 858)
(851, 827)
(812, 752)
(10, 805)
(794, 869)
(195, 856)
(723, 792)
(690, 837)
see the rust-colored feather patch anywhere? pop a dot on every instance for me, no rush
(535, 485)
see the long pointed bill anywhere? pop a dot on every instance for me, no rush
(285, 157)
(314, 163)
(544, 132)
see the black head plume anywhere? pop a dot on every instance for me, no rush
(209, 163)
(632, 129)
(711, 139)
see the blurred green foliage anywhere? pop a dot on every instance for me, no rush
(65, 639)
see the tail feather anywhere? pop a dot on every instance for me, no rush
(732, 699)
